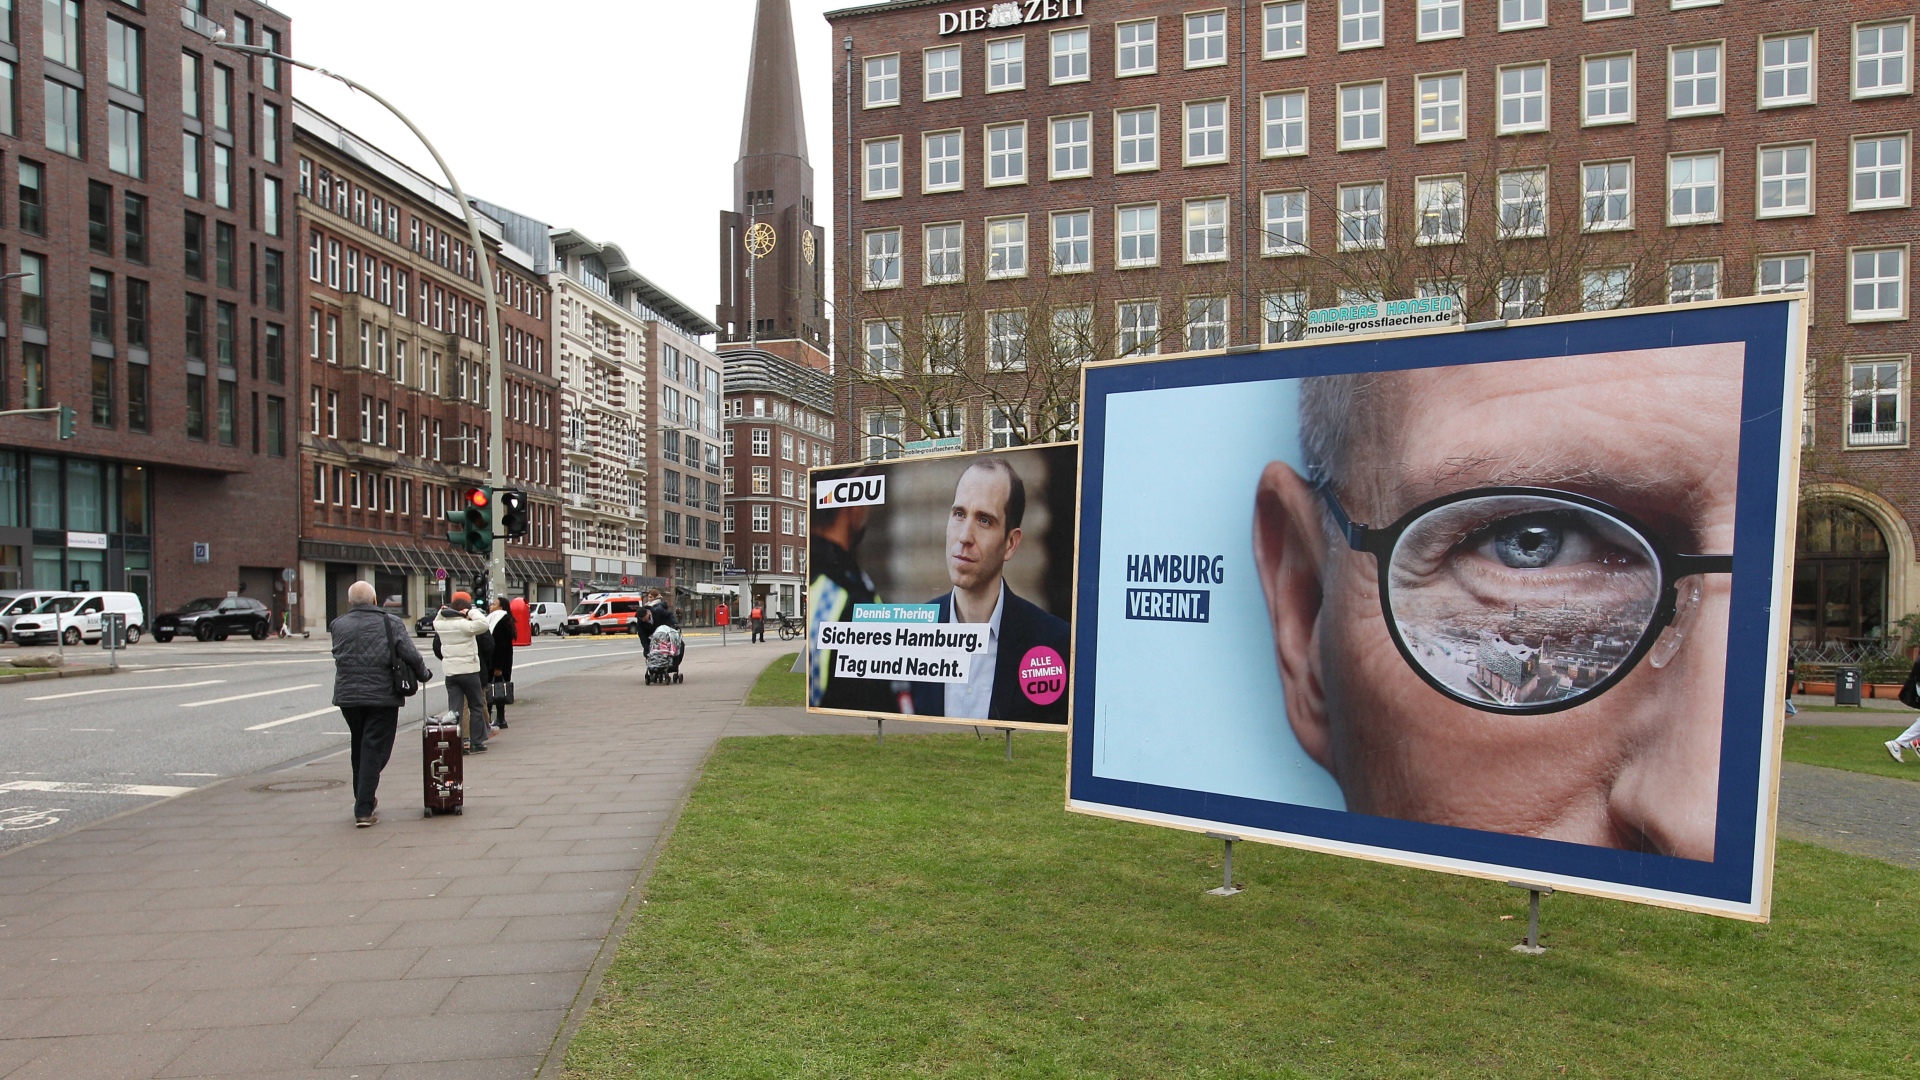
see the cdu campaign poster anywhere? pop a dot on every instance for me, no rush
(1505, 602)
(940, 587)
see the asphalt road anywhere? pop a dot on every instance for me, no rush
(187, 714)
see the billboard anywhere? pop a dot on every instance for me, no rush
(941, 587)
(1505, 602)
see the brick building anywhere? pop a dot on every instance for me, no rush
(153, 301)
(779, 417)
(1024, 186)
(394, 422)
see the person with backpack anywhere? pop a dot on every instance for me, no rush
(460, 638)
(369, 644)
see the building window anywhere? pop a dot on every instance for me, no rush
(1786, 180)
(1136, 134)
(1607, 96)
(1070, 55)
(1693, 188)
(883, 353)
(60, 31)
(270, 208)
(1523, 297)
(1607, 193)
(1877, 284)
(1784, 273)
(190, 181)
(99, 218)
(1283, 317)
(763, 553)
(222, 177)
(1607, 9)
(1523, 98)
(1605, 289)
(1362, 117)
(126, 141)
(1363, 216)
(63, 119)
(1072, 146)
(1137, 235)
(883, 81)
(1522, 14)
(941, 152)
(1692, 282)
(1360, 24)
(1786, 70)
(1880, 62)
(942, 68)
(1286, 29)
(946, 345)
(1006, 64)
(883, 168)
(1007, 247)
(883, 259)
(1440, 113)
(1283, 126)
(1007, 154)
(1206, 323)
(1136, 48)
(137, 313)
(1207, 39)
(1139, 327)
(1441, 204)
(1206, 132)
(1007, 340)
(945, 261)
(33, 290)
(1206, 230)
(1875, 399)
(1005, 426)
(1283, 223)
(883, 435)
(100, 305)
(1879, 171)
(1523, 203)
(1693, 80)
(1073, 242)
(1439, 19)
(9, 98)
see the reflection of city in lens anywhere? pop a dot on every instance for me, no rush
(1526, 657)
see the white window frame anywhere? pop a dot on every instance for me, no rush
(1682, 5)
(1440, 106)
(1283, 316)
(1545, 94)
(1588, 118)
(1055, 219)
(1008, 246)
(1902, 279)
(1904, 199)
(1440, 209)
(1379, 112)
(873, 81)
(875, 363)
(1206, 219)
(1152, 141)
(874, 245)
(1761, 180)
(1055, 54)
(1596, 10)
(1127, 337)
(1343, 215)
(1905, 85)
(1188, 131)
(1719, 80)
(1121, 234)
(1006, 62)
(1055, 146)
(1289, 18)
(1784, 101)
(1719, 188)
(958, 71)
(1357, 18)
(958, 160)
(1529, 290)
(927, 252)
(1440, 9)
(1188, 38)
(1897, 437)
(1151, 45)
(1202, 332)
(1522, 19)
(1612, 284)
(1760, 286)
(1543, 189)
(1006, 344)
(1274, 244)
(1004, 158)
(1719, 279)
(1287, 125)
(867, 188)
(1586, 193)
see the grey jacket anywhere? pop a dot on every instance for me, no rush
(362, 674)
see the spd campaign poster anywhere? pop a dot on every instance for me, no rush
(1506, 602)
(940, 587)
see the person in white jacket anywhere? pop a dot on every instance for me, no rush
(456, 639)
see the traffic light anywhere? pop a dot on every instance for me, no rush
(473, 522)
(66, 422)
(513, 514)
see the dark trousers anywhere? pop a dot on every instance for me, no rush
(759, 630)
(468, 700)
(372, 728)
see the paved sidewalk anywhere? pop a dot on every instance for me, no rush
(1876, 816)
(248, 929)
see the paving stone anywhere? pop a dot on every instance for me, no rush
(227, 1051)
(94, 1014)
(386, 998)
(239, 1008)
(461, 1037)
(496, 958)
(135, 1056)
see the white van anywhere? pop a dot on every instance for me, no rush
(545, 617)
(75, 617)
(17, 602)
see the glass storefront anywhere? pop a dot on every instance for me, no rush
(74, 523)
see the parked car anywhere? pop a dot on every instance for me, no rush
(75, 617)
(212, 618)
(17, 602)
(545, 617)
(609, 614)
(423, 626)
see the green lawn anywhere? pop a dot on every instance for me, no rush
(779, 685)
(833, 908)
(1856, 749)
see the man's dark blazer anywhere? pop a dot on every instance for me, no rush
(1022, 626)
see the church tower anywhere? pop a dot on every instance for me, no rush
(772, 255)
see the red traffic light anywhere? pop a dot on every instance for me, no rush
(477, 497)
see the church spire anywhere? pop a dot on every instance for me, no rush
(773, 123)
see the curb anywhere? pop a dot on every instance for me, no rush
(53, 673)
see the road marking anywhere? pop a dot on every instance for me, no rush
(291, 719)
(193, 774)
(105, 729)
(124, 689)
(244, 663)
(244, 697)
(560, 660)
(69, 787)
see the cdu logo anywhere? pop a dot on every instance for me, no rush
(853, 491)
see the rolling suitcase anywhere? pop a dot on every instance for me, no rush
(440, 763)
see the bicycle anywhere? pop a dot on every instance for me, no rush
(790, 628)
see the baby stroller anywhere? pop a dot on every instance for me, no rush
(664, 653)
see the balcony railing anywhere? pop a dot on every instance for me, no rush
(1878, 433)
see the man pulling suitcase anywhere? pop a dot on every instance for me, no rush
(372, 651)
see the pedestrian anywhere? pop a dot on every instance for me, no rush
(757, 619)
(503, 628)
(1910, 697)
(366, 643)
(1791, 711)
(460, 638)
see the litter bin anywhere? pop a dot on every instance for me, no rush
(1846, 686)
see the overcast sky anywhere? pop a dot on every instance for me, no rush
(619, 118)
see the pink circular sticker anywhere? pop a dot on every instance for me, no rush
(1043, 675)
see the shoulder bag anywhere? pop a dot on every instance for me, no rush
(1910, 690)
(404, 682)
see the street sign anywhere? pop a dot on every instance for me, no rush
(288, 575)
(708, 588)
(1383, 316)
(440, 574)
(202, 552)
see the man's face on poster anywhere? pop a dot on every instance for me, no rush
(978, 540)
(1635, 766)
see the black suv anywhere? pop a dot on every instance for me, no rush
(213, 618)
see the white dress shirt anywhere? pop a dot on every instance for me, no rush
(973, 698)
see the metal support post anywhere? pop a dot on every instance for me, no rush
(879, 731)
(1532, 946)
(1009, 732)
(1227, 887)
